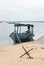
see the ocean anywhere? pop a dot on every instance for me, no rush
(6, 29)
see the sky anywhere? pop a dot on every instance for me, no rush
(22, 10)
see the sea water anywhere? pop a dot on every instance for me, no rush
(6, 29)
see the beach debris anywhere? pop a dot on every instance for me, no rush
(26, 52)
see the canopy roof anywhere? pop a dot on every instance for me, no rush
(23, 25)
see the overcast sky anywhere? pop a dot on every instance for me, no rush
(22, 10)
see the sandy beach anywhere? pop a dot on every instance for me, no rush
(10, 54)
